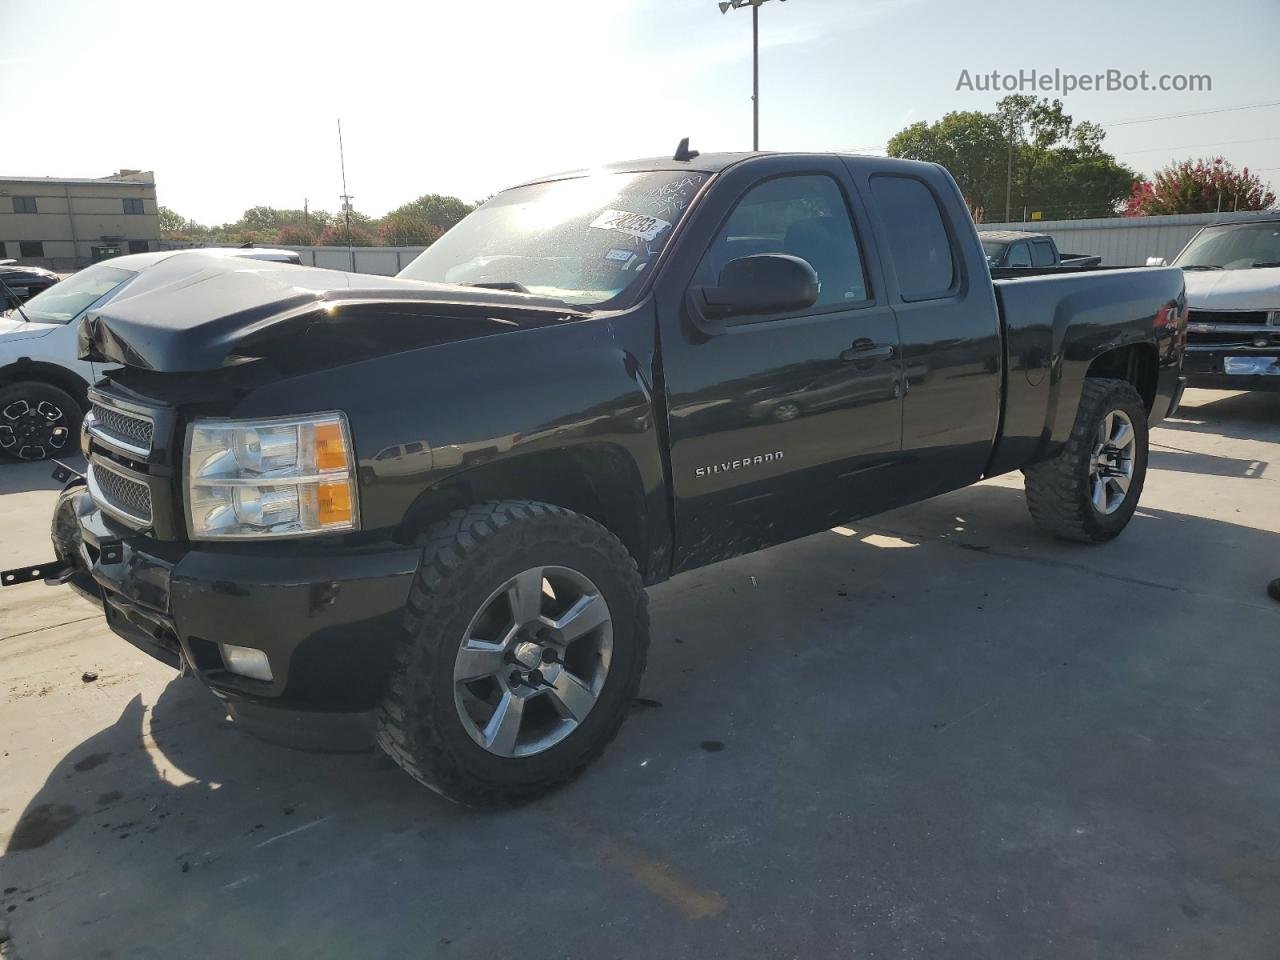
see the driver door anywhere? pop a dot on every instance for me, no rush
(780, 425)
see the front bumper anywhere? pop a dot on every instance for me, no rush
(327, 617)
(1232, 368)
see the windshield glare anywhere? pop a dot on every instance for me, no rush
(65, 301)
(1236, 246)
(584, 241)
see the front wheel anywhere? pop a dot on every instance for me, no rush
(1089, 491)
(526, 635)
(37, 421)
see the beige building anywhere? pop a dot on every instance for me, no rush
(66, 224)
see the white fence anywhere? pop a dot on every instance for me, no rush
(387, 261)
(1126, 241)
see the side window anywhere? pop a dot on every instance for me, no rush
(917, 237)
(1019, 256)
(804, 216)
(1042, 254)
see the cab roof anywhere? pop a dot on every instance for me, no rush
(706, 163)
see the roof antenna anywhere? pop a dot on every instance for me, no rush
(683, 153)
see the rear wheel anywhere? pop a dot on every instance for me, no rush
(37, 421)
(1091, 489)
(526, 634)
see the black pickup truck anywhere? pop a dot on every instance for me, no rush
(441, 495)
(1017, 253)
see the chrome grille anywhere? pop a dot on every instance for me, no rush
(121, 496)
(122, 428)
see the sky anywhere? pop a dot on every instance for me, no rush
(235, 104)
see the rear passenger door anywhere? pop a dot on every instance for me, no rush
(947, 321)
(778, 425)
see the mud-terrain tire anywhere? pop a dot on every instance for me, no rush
(466, 606)
(1089, 491)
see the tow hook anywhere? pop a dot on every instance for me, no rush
(53, 573)
(64, 474)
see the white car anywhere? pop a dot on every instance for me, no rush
(42, 378)
(1233, 293)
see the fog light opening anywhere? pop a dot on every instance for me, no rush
(246, 661)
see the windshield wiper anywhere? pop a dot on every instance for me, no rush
(1266, 263)
(513, 285)
(1203, 266)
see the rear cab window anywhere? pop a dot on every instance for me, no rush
(917, 236)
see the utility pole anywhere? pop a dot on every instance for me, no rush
(755, 76)
(725, 7)
(346, 198)
(1008, 177)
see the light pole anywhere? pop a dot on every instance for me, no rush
(725, 7)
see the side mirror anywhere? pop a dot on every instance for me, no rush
(1157, 262)
(759, 284)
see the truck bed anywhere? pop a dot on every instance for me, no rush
(1051, 323)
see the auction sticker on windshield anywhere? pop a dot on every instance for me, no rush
(632, 224)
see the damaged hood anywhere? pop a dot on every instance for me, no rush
(197, 312)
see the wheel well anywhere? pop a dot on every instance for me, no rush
(1135, 363)
(49, 373)
(600, 482)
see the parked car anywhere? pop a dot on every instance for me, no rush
(19, 282)
(567, 377)
(1014, 253)
(1233, 291)
(43, 381)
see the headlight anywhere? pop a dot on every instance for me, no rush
(286, 477)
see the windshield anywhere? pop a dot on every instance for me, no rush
(1233, 246)
(584, 241)
(65, 301)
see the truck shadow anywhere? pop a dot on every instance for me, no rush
(19, 477)
(1241, 416)
(177, 791)
(1165, 457)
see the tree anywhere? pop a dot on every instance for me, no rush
(406, 229)
(1200, 186)
(170, 220)
(293, 235)
(435, 209)
(335, 235)
(1030, 148)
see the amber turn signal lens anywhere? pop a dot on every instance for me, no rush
(331, 447)
(333, 503)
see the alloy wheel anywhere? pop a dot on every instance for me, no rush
(533, 662)
(1111, 464)
(32, 431)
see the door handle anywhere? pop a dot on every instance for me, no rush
(864, 348)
